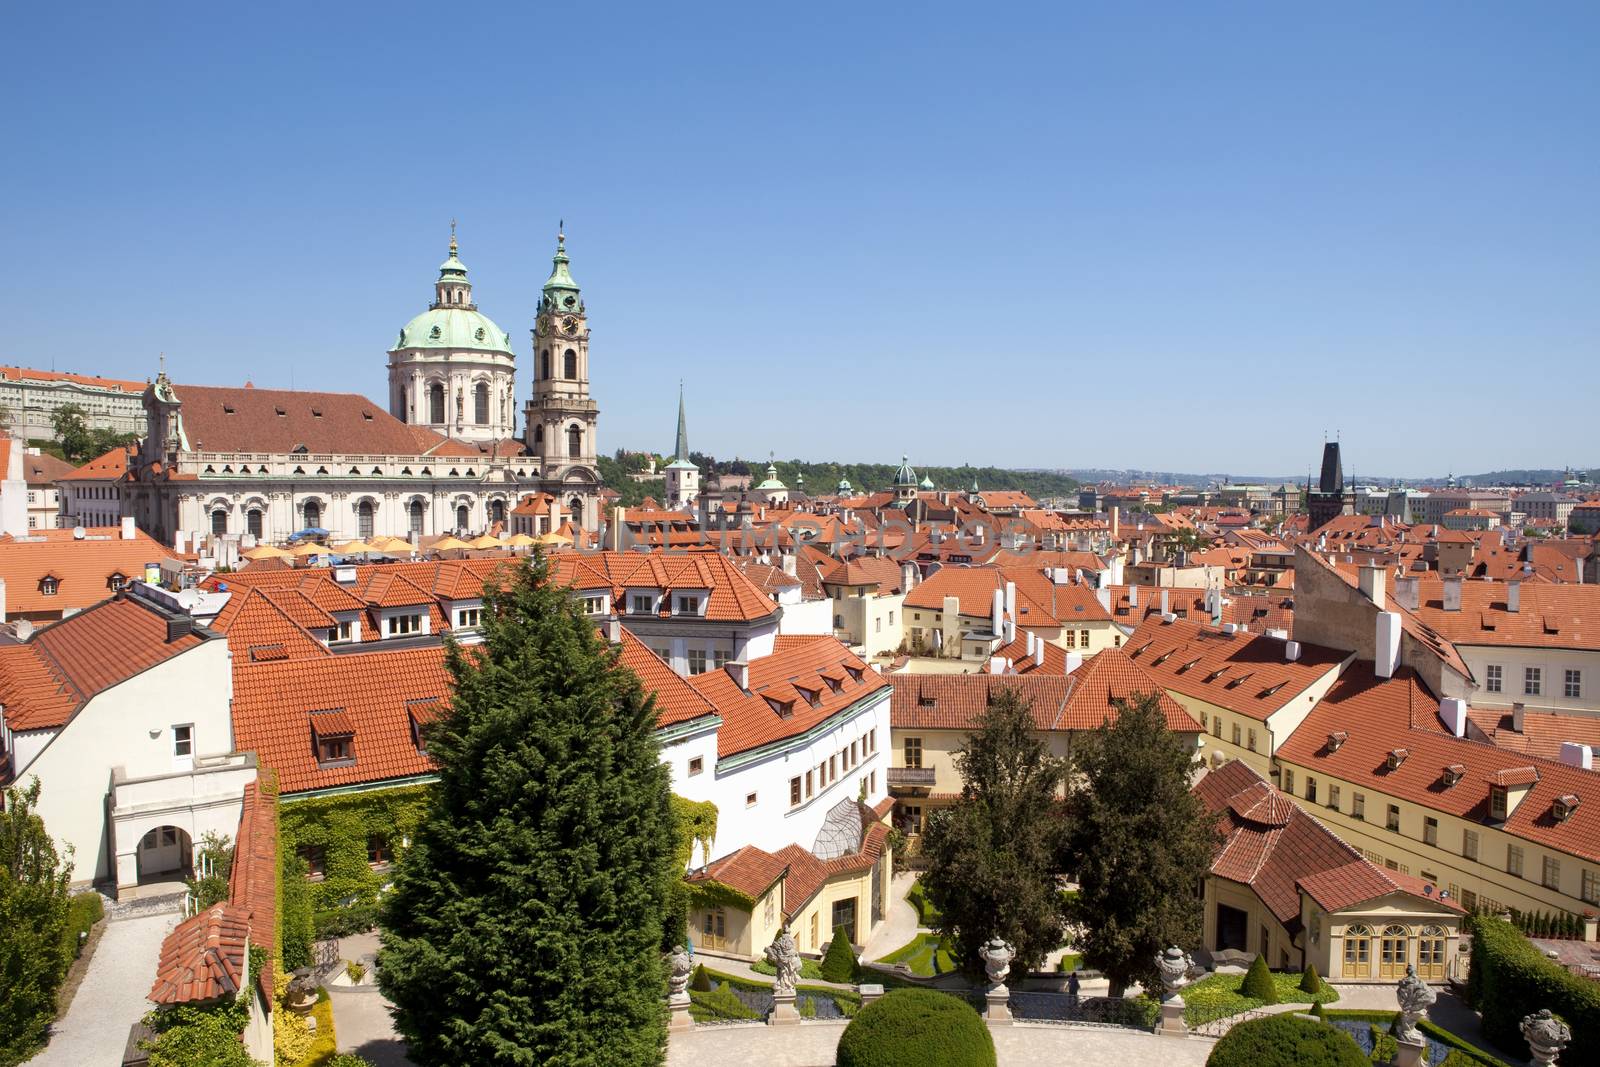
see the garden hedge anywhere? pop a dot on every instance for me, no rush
(1511, 979)
(83, 911)
(1286, 1041)
(916, 1028)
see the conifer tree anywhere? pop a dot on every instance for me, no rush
(33, 921)
(526, 920)
(1258, 981)
(1140, 843)
(839, 962)
(994, 856)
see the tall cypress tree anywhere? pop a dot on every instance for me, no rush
(526, 918)
(994, 855)
(33, 922)
(1140, 843)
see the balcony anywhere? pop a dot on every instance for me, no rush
(911, 777)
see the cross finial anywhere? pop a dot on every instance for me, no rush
(452, 236)
(162, 359)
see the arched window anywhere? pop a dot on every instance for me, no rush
(497, 511)
(480, 404)
(313, 514)
(571, 359)
(538, 440)
(574, 442)
(461, 518)
(1430, 953)
(1393, 954)
(544, 364)
(436, 403)
(219, 521)
(364, 519)
(575, 510)
(415, 514)
(252, 522)
(1357, 951)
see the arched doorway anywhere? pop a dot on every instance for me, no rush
(1358, 951)
(1394, 952)
(1430, 953)
(165, 851)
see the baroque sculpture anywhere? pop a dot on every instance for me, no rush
(1415, 997)
(1174, 966)
(784, 956)
(678, 967)
(1546, 1036)
(997, 956)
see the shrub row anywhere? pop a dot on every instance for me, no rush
(83, 911)
(1510, 979)
(1558, 925)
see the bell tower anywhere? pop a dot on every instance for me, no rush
(561, 418)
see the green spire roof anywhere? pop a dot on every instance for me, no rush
(452, 268)
(926, 483)
(680, 458)
(560, 291)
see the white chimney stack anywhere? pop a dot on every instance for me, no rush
(1372, 584)
(1453, 711)
(997, 665)
(739, 671)
(1514, 596)
(1074, 661)
(127, 528)
(1166, 609)
(1133, 596)
(1452, 594)
(1408, 593)
(997, 612)
(1103, 594)
(1011, 599)
(1291, 651)
(1387, 656)
(1576, 755)
(1517, 710)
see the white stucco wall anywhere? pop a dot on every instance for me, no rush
(807, 617)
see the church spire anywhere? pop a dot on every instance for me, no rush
(560, 291)
(452, 289)
(682, 452)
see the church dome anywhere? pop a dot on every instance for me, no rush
(454, 327)
(905, 475)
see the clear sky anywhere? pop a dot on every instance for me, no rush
(1177, 236)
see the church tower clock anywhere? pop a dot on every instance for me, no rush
(560, 419)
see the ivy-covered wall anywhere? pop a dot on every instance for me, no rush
(340, 825)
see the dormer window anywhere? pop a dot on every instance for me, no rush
(641, 604)
(116, 582)
(1453, 774)
(688, 605)
(783, 708)
(48, 585)
(812, 696)
(1564, 806)
(855, 672)
(422, 712)
(1497, 802)
(1336, 739)
(333, 735)
(594, 604)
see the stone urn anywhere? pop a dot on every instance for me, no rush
(1546, 1036)
(301, 996)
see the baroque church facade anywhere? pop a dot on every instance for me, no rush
(443, 458)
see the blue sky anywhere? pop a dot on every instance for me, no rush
(1171, 236)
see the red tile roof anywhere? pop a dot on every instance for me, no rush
(752, 871)
(28, 374)
(1549, 615)
(109, 467)
(82, 569)
(249, 420)
(676, 700)
(44, 469)
(1243, 672)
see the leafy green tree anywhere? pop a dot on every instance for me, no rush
(526, 920)
(199, 1037)
(216, 860)
(1258, 982)
(839, 964)
(33, 921)
(71, 425)
(993, 856)
(1140, 842)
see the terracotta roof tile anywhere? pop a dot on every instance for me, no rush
(83, 569)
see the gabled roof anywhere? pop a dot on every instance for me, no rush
(108, 467)
(676, 700)
(83, 568)
(280, 420)
(44, 469)
(1549, 615)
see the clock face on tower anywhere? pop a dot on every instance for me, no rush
(570, 325)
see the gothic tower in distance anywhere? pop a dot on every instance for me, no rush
(560, 418)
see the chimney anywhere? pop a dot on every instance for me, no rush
(739, 671)
(1011, 628)
(1517, 710)
(1133, 596)
(789, 564)
(2, 600)
(1514, 596)
(1387, 656)
(998, 611)
(619, 526)
(1576, 755)
(23, 629)
(179, 626)
(614, 629)
(1115, 525)
(908, 576)
(1291, 651)
(127, 528)
(1166, 609)
(1372, 585)
(1074, 661)
(554, 512)
(1103, 594)
(1452, 593)
(997, 665)
(1408, 593)
(1453, 710)
(1011, 599)
(180, 542)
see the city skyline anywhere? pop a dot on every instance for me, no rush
(1112, 219)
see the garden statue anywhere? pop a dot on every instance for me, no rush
(678, 967)
(784, 956)
(997, 956)
(1174, 965)
(1546, 1036)
(1415, 997)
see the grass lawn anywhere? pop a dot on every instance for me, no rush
(926, 955)
(927, 914)
(1070, 962)
(325, 1045)
(1219, 996)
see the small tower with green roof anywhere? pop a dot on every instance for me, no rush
(683, 477)
(905, 480)
(561, 418)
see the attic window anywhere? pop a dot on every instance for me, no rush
(299, 450)
(925, 701)
(1187, 666)
(1135, 652)
(377, 470)
(1397, 756)
(1218, 673)
(1453, 774)
(423, 711)
(1269, 690)
(268, 653)
(355, 470)
(1237, 682)
(333, 735)
(405, 470)
(116, 582)
(299, 470)
(280, 413)
(1563, 806)
(783, 708)
(1336, 739)
(367, 415)
(227, 409)
(316, 413)
(49, 585)
(855, 672)
(812, 696)
(426, 472)
(1159, 660)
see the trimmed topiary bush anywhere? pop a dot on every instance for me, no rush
(1310, 980)
(916, 1028)
(1286, 1041)
(1319, 1011)
(700, 981)
(839, 965)
(1258, 982)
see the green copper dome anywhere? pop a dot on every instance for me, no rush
(926, 483)
(441, 327)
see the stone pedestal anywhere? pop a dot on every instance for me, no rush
(998, 1013)
(1172, 1024)
(1411, 1054)
(783, 1011)
(869, 991)
(680, 1019)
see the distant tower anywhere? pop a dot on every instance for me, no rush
(1329, 499)
(561, 418)
(905, 480)
(452, 370)
(683, 477)
(772, 490)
